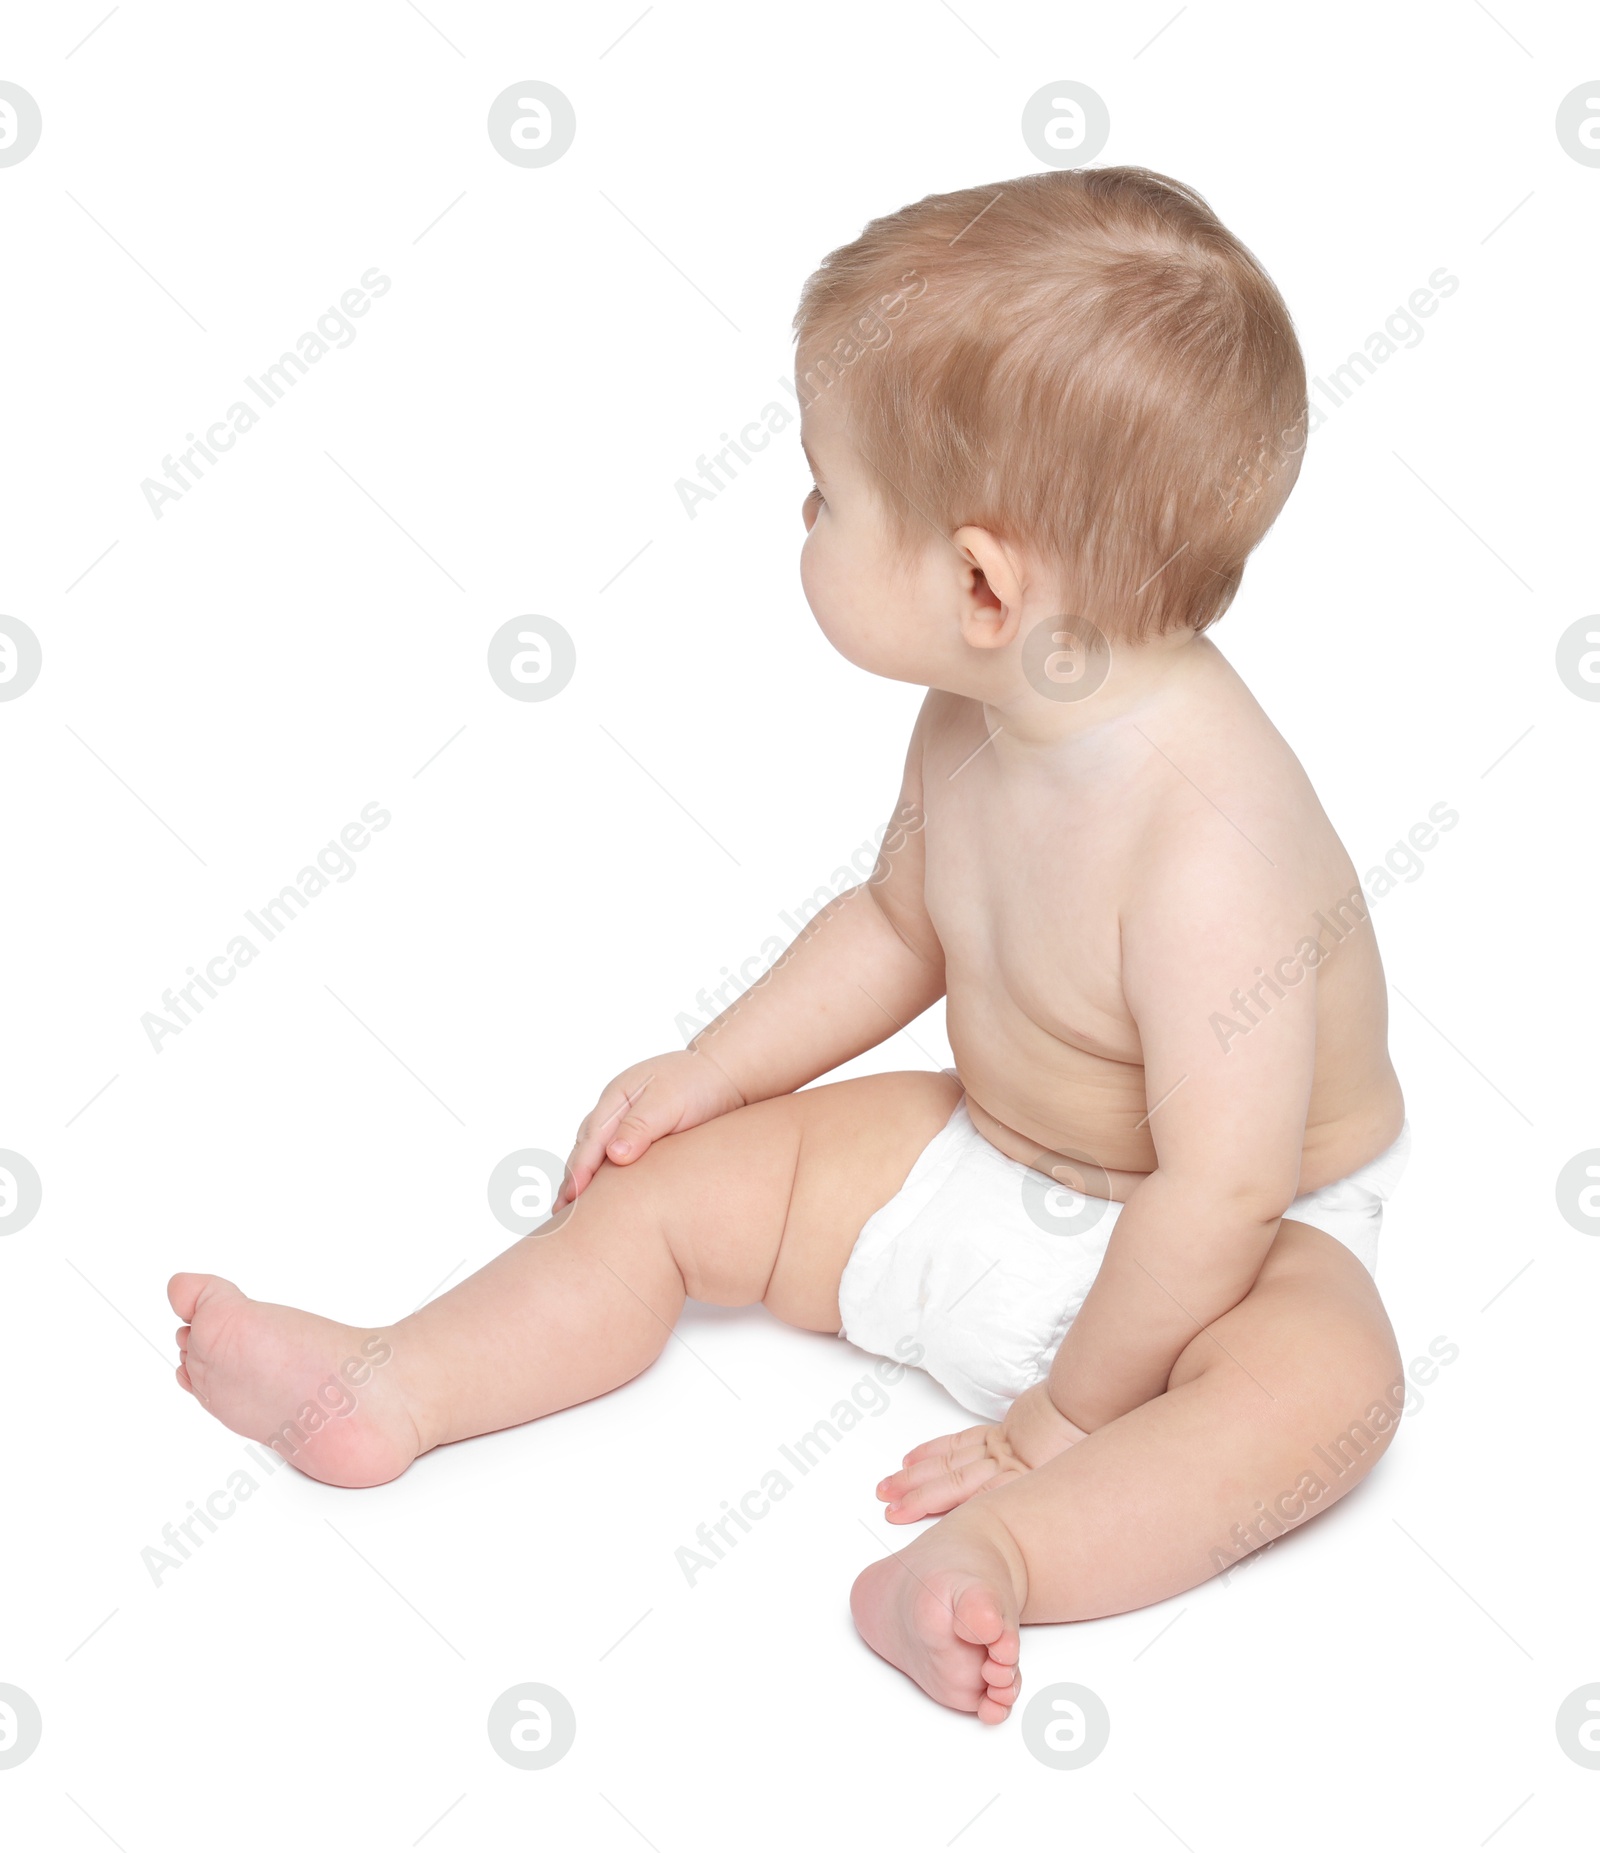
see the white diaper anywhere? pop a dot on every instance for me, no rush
(984, 1261)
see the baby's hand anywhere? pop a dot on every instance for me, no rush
(646, 1102)
(942, 1474)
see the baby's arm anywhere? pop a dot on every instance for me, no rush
(1192, 1236)
(1227, 1123)
(859, 971)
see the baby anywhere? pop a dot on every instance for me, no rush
(1134, 1228)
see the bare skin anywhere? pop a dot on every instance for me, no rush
(1130, 903)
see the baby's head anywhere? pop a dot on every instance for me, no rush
(1071, 393)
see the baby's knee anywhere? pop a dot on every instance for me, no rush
(1343, 1407)
(635, 1186)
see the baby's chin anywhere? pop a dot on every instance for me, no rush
(876, 654)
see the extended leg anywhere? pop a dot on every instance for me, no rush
(762, 1204)
(1268, 1418)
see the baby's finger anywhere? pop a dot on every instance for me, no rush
(581, 1167)
(589, 1149)
(942, 1492)
(931, 1450)
(926, 1468)
(617, 1132)
(639, 1128)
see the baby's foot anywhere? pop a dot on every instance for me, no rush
(944, 1610)
(314, 1391)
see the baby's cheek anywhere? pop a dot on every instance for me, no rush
(814, 577)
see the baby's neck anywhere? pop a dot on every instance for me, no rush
(1036, 708)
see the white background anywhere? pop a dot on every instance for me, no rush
(279, 649)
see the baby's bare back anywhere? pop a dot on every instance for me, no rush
(1189, 830)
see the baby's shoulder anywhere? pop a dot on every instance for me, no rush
(944, 722)
(1232, 835)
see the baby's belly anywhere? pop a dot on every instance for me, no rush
(1068, 1161)
(1058, 1105)
(1062, 1106)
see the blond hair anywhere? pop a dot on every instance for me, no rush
(1087, 362)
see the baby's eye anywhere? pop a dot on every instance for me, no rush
(816, 496)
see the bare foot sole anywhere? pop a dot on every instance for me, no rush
(314, 1391)
(944, 1611)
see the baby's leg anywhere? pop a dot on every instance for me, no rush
(762, 1204)
(1170, 1493)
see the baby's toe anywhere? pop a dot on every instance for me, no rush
(183, 1290)
(978, 1619)
(992, 1710)
(1006, 1648)
(998, 1676)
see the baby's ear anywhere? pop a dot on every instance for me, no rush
(1002, 569)
(991, 588)
(988, 627)
(981, 592)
